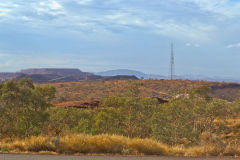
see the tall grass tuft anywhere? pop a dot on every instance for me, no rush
(148, 147)
(40, 143)
(197, 151)
(91, 144)
(16, 145)
(232, 150)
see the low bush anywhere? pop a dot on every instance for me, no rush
(4, 149)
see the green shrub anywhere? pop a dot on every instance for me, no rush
(4, 149)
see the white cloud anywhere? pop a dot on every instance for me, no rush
(196, 45)
(195, 31)
(236, 45)
(119, 15)
(7, 8)
(9, 4)
(192, 45)
(123, 18)
(49, 7)
(4, 11)
(84, 2)
(55, 5)
(4, 55)
(225, 8)
(171, 28)
(25, 18)
(42, 4)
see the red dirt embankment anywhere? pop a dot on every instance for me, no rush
(79, 104)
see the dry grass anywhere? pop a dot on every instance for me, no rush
(147, 147)
(232, 150)
(40, 143)
(111, 144)
(32, 144)
(91, 144)
(202, 151)
(80, 143)
(211, 150)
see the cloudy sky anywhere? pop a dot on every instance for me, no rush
(98, 35)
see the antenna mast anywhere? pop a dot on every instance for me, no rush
(172, 64)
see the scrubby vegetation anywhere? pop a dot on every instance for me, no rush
(192, 124)
(23, 107)
(91, 90)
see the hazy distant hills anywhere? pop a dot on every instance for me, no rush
(128, 72)
(72, 74)
(4, 76)
(58, 75)
(142, 75)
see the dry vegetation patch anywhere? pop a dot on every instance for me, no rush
(110, 144)
(81, 143)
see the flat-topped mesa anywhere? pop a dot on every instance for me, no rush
(41, 75)
(53, 71)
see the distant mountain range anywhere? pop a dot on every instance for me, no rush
(128, 72)
(142, 75)
(70, 74)
(58, 75)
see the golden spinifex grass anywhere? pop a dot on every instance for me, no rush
(110, 144)
(80, 143)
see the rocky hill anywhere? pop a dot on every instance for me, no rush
(58, 75)
(53, 71)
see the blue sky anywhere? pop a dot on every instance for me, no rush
(98, 35)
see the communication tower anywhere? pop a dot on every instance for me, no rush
(172, 64)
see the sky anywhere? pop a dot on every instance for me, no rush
(99, 35)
